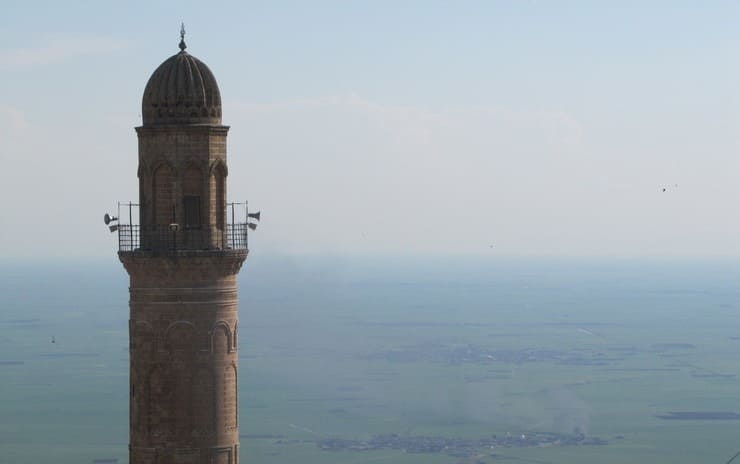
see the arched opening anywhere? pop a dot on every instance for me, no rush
(235, 340)
(162, 208)
(192, 215)
(192, 192)
(163, 195)
(231, 398)
(218, 185)
(220, 339)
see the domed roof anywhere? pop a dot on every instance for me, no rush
(182, 90)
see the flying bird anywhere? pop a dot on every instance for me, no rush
(665, 188)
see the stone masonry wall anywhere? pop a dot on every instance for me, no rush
(175, 161)
(184, 360)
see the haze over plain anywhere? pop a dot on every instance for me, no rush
(541, 128)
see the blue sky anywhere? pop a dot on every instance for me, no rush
(542, 128)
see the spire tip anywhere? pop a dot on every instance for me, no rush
(182, 37)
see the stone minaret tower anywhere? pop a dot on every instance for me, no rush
(182, 259)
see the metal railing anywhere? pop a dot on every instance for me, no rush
(231, 235)
(164, 238)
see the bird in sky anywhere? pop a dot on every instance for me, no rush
(665, 188)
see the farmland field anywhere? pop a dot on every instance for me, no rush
(642, 356)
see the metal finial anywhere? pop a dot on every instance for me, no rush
(182, 37)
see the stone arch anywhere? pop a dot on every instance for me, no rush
(151, 167)
(180, 336)
(192, 195)
(217, 179)
(221, 337)
(235, 340)
(164, 186)
(147, 167)
(218, 163)
(231, 397)
(192, 177)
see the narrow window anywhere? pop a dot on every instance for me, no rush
(191, 206)
(219, 198)
(192, 192)
(163, 190)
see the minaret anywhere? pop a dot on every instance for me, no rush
(182, 258)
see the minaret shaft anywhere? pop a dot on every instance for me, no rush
(184, 361)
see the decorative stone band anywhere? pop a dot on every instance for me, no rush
(181, 269)
(199, 295)
(220, 337)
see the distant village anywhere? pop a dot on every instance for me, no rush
(458, 354)
(472, 354)
(457, 447)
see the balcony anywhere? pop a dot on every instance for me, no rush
(134, 237)
(166, 238)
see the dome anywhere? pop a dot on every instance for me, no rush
(182, 90)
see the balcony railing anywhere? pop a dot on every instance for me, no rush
(231, 235)
(166, 238)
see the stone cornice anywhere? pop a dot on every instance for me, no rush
(174, 128)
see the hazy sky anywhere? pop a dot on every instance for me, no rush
(538, 127)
